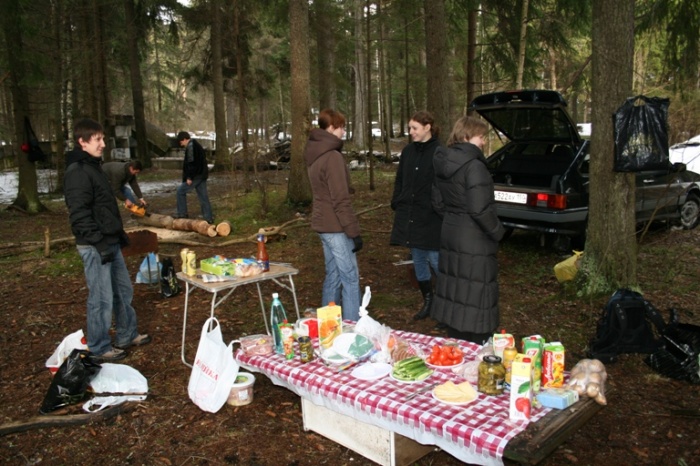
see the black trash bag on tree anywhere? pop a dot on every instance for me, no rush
(641, 134)
(70, 383)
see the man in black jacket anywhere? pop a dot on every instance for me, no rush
(194, 176)
(99, 234)
(121, 173)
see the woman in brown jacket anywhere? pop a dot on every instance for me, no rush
(333, 217)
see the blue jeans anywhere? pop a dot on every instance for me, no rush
(129, 194)
(423, 261)
(200, 186)
(342, 274)
(109, 292)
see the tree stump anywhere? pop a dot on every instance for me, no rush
(223, 228)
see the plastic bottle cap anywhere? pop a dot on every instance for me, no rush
(275, 295)
(261, 231)
(331, 303)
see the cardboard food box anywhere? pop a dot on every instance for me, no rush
(521, 388)
(330, 324)
(218, 265)
(553, 365)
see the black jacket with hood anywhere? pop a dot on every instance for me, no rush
(466, 292)
(93, 212)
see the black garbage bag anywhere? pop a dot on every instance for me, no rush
(31, 144)
(71, 381)
(678, 357)
(641, 134)
(169, 286)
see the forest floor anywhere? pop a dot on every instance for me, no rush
(649, 420)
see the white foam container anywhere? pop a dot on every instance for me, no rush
(242, 391)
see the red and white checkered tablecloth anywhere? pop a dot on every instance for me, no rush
(476, 433)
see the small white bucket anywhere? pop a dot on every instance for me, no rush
(242, 390)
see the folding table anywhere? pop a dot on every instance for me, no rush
(278, 273)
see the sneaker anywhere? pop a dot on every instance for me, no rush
(115, 354)
(140, 340)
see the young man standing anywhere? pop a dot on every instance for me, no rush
(194, 176)
(121, 173)
(99, 235)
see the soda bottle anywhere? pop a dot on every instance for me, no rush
(262, 257)
(278, 317)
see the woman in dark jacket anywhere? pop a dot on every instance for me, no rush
(416, 224)
(466, 295)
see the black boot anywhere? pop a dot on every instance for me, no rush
(426, 287)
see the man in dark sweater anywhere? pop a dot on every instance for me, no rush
(99, 234)
(194, 176)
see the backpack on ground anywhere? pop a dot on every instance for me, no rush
(169, 286)
(678, 356)
(624, 327)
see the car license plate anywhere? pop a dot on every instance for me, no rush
(507, 196)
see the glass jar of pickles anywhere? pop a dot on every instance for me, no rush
(492, 375)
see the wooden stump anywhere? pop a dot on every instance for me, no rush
(157, 220)
(223, 228)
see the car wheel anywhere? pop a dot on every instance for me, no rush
(690, 212)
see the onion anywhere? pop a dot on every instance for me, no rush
(592, 389)
(596, 366)
(600, 399)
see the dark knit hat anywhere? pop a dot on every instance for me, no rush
(182, 135)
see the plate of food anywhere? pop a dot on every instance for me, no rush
(352, 346)
(398, 379)
(445, 357)
(410, 370)
(371, 371)
(455, 394)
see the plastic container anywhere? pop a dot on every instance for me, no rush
(242, 390)
(257, 345)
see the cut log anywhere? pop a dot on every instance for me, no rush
(157, 220)
(223, 228)
(200, 226)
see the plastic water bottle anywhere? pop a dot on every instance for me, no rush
(278, 316)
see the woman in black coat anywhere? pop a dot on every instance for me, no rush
(416, 224)
(466, 295)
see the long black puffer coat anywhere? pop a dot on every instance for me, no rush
(416, 224)
(466, 294)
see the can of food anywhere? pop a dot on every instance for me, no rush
(508, 357)
(306, 349)
(491, 375)
(191, 263)
(183, 256)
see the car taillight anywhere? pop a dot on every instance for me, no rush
(551, 201)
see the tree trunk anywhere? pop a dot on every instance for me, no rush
(471, 56)
(438, 71)
(384, 91)
(27, 190)
(136, 85)
(368, 105)
(325, 41)
(243, 107)
(359, 118)
(610, 261)
(522, 43)
(299, 191)
(222, 147)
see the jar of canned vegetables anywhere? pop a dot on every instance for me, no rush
(492, 375)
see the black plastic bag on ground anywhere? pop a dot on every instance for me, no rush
(641, 134)
(70, 383)
(169, 286)
(679, 355)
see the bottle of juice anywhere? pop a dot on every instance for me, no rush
(278, 317)
(262, 258)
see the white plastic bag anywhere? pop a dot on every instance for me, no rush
(75, 340)
(149, 271)
(214, 369)
(119, 383)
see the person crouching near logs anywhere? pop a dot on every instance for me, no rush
(416, 225)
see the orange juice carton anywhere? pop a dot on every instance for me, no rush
(502, 341)
(553, 365)
(521, 388)
(330, 324)
(532, 347)
(557, 398)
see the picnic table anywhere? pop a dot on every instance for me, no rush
(375, 418)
